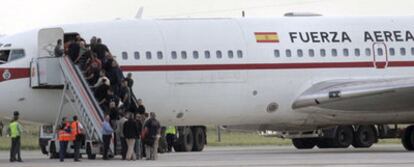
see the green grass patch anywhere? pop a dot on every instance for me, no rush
(29, 139)
(233, 138)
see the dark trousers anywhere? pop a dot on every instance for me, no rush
(124, 147)
(170, 141)
(62, 149)
(15, 149)
(107, 142)
(76, 147)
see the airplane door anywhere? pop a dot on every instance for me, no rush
(380, 55)
(47, 39)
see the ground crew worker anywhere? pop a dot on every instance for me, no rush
(15, 130)
(64, 136)
(76, 130)
(171, 133)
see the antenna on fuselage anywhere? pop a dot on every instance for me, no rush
(139, 13)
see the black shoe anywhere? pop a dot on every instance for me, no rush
(77, 160)
(19, 160)
(12, 160)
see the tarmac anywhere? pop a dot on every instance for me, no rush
(257, 156)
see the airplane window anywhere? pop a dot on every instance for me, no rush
(300, 53)
(380, 52)
(207, 54)
(148, 55)
(159, 55)
(412, 51)
(230, 54)
(392, 52)
(334, 52)
(323, 52)
(4, 56)
(183, 54)
(174, 55)
(136, 55)
(219, 54)
(402, 51)
(124, 55)
(240, 54)
(195, 54)
(368, 51)
(16, 54)
(357, 52)
(311, 53)
(346, 52)
(276, 53)
(288, 53)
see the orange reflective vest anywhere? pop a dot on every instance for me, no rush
(74, 129)
(64, 136)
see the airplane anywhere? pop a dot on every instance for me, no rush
(321, 81)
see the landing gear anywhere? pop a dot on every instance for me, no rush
(338, 137)
(199, 138)
(407, 139)
(305, 143)
(190, 139)
(185, 140)
(343, 137)
(365, 136)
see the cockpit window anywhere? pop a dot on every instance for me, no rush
(4, 56)
(10, 55)
(16, 54)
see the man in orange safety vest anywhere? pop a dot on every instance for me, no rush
(64, 136)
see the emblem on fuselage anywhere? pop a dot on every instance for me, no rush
(6, 75)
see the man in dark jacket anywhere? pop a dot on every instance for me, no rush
(125, 95)
(152, 130)
(100, 49)
(73, 51)
(130, 134)
(115, 76)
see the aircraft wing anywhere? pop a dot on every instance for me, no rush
(367, 95)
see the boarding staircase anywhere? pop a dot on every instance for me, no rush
(50, 72)
(76, 92)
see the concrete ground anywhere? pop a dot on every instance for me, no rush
(379, 155)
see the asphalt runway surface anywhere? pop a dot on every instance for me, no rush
(379, 155)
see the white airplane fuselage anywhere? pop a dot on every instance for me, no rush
(238, 87)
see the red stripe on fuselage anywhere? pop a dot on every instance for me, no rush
(203, 67)
(17, 73)
(14, 73)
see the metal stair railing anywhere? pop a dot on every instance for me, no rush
(82, 100)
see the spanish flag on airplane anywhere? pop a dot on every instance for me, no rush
(266, 37)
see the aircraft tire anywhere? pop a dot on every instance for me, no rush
(304, 143)
(185, 140)
(407, 139)
(199, 138)
(344, 137)
(365, 136)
